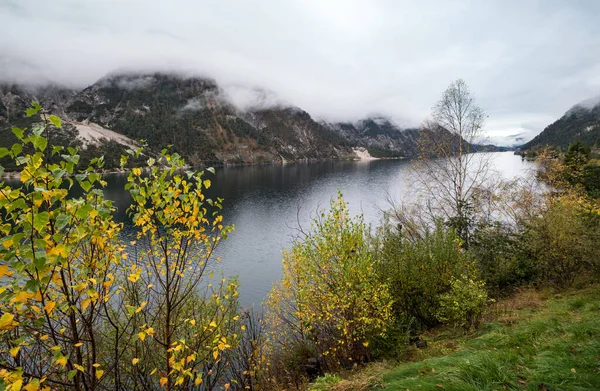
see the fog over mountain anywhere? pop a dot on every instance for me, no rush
(525, 61)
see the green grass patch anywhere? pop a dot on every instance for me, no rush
(555, 346)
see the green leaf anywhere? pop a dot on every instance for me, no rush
(58, 173)
(4, 152)
(56, 149)
(32, 285)
(61, 221)
(85, 185)
(83, 211)
(38, 129)
(211, 170)
(16, 149)
(31, 111)
(18, 132)
(55, 121)
(40, 220)
(39, 142)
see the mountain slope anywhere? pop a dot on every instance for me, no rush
(380, 136)
(198, 119)
(581, 122)
(194, 116)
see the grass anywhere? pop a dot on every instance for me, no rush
(532, 341)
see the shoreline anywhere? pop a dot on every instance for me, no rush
(363, 157)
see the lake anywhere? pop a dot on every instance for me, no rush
(267, 202)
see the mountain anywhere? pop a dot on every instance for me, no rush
(380, 136)
(198, 119)
(581, 122)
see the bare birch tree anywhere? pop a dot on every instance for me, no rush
(449, 175)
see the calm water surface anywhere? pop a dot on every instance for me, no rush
(266, 204)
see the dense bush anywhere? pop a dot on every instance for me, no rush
(419, 272)
(330, 294)
(559, 241)
(498, 251)
(463, 305)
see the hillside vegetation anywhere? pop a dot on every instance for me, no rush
(581, 123)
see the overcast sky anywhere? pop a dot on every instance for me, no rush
(526, 62)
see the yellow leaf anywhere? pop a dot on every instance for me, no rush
(85, 303)
(198, 381)
(3, 270)
(14, 351)
(227, 385)
(193, 322)
(135, 361)
(33, 386)
(163, 381)
(62, 361)
(213, 324)
(142, 335)
(16, 385)
(79, 367)
(133, 277)
(6, 321)
(216, 354)
(21, 297)
(365, 344)
(49, 306)
(78, 344)
(7, 244)
(99, 373)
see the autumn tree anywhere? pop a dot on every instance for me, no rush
(449, 173)
(81, 310)
(59, 260)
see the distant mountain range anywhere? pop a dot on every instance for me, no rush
(581, 122)
(199, 120)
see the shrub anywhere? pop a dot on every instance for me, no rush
(498, 252)
(330, 294)
(420, 271)
(558, 241)
(464, 304)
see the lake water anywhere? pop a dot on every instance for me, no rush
(266, 204)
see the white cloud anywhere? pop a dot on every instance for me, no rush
(337, 59)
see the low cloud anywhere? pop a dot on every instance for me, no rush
(135, 82)
(194, 104)
(339, 60)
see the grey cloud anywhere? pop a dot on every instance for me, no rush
(526, 61)
(135, 82)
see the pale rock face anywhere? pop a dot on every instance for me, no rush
(91, 133)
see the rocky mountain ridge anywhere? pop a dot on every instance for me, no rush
(199, 120)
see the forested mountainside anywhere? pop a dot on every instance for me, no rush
(580, 123)
(379, 135)
(196, 117)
